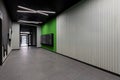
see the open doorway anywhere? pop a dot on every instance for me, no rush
(27, 36)
(24, 39)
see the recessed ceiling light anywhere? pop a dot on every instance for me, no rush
(34, 22)
(28, 10)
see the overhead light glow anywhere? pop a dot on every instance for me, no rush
(46, 11)
(25, 8)
(34, 22)
(34, 12)
(28, 10)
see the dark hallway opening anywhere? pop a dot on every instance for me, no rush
(24, 39)
(27, 36)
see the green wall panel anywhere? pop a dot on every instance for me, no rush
(47, 28)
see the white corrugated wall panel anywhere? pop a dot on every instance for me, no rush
(90, 32)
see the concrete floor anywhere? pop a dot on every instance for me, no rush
(40, 64)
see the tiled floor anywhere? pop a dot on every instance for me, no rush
(40, 64)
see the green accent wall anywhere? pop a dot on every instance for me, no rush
(49, 27)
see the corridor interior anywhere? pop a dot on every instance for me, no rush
(60, 39)
(30, 63)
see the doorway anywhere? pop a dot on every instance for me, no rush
(24, 41)
(27, 36)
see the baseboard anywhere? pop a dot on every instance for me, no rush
(49, 50)
(15, 49)
(38, 47)
(86, 63)
(5, 58)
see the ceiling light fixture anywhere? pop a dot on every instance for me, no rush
(28, 10)
(46, 11)
(34, 22)
(34, 12)
(25, 8)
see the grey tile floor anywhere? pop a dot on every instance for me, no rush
(40, 64)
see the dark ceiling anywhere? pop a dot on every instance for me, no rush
(50, 5)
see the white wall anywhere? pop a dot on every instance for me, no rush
(9, 49)
(15, 36)
(90, 32)
(38, 36)
(34, 37)
(9, 43)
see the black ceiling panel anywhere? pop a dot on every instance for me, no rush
(49, 5)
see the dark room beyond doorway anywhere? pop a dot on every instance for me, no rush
(27, 36)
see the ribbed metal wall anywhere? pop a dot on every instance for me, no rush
(91, 33)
